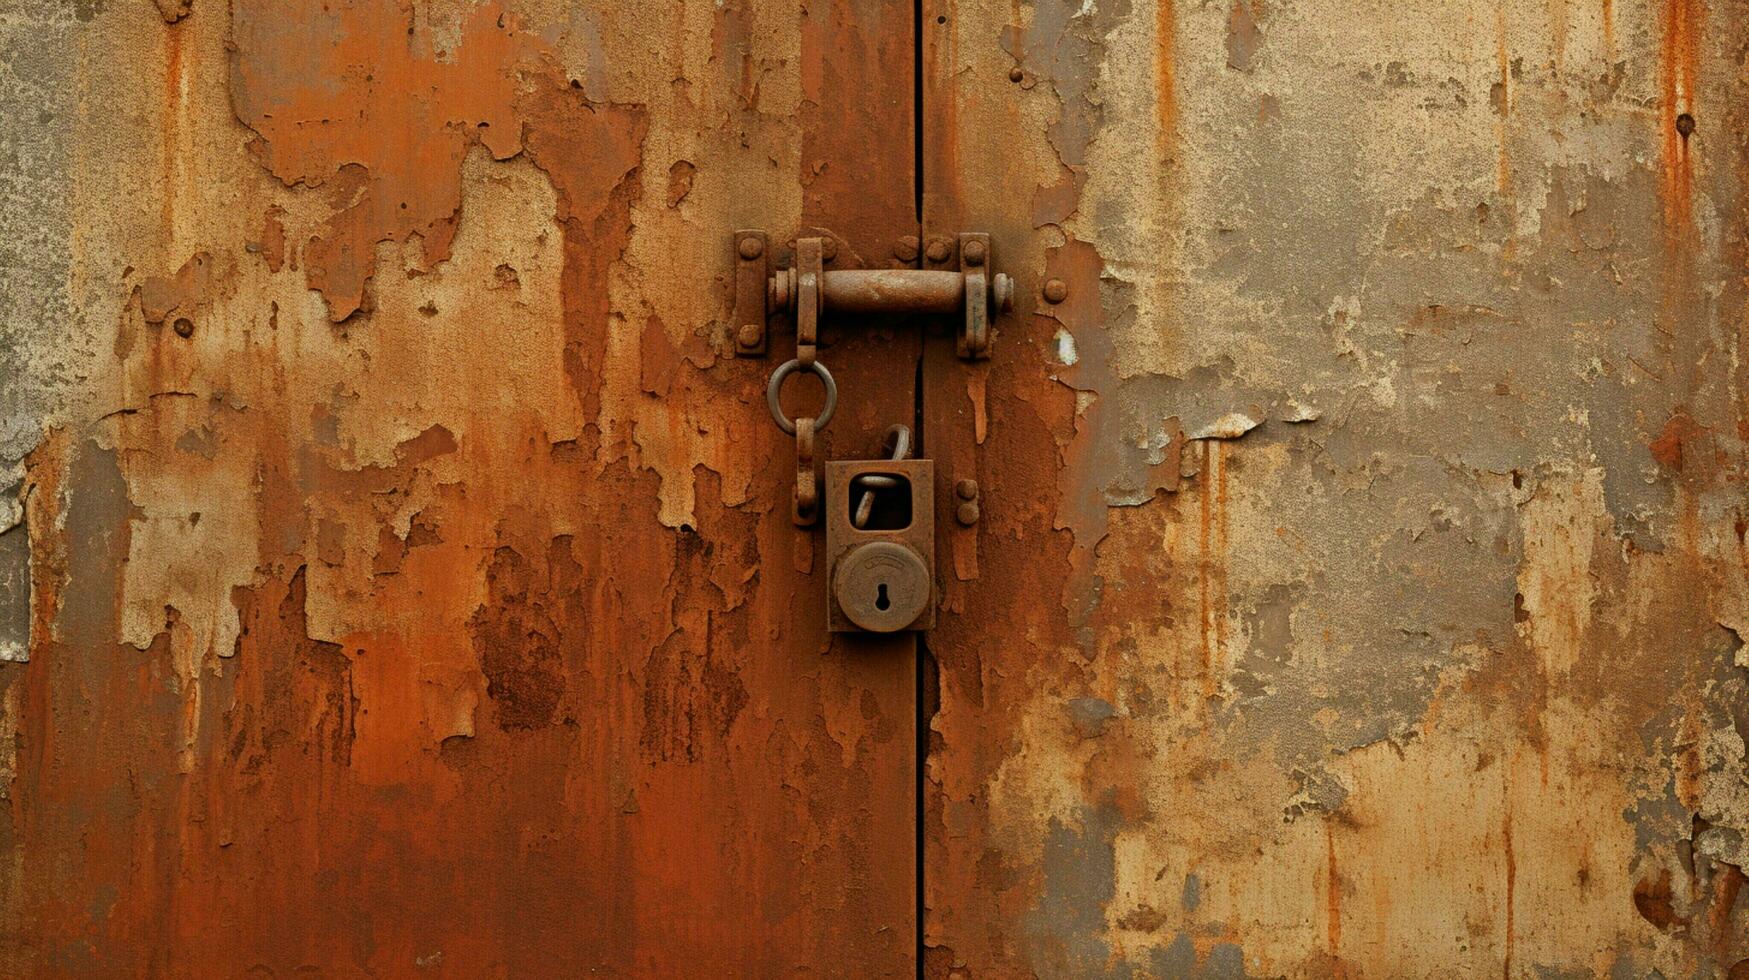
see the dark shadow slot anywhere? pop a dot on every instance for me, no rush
(891, 510)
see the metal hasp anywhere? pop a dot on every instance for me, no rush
(806, 292)
(883, 577)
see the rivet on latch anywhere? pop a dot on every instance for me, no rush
(973, 253)
(829, 249)
(751, 248)
(940, 249)
(1056, 290)
(750, 335)
(968, 512)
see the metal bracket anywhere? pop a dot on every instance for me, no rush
(808, 291)
(752, 258)
(974, 339)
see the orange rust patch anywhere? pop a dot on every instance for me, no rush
(1667, 448)
(362, 99)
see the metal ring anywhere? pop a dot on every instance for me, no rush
(775, 386)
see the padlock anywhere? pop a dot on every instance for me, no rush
(883, 574)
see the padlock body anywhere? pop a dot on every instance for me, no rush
(858, 573)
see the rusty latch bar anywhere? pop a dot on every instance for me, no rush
(808, 292)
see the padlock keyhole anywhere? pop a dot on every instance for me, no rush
(881, 601)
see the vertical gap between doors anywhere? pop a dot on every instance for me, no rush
(921, 723)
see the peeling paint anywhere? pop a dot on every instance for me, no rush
(1461, 255)
(397, 537)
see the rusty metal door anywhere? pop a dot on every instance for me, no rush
(1361, 582)
(1339, 558)
(411, 584)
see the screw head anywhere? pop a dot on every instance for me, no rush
(183, 326)
(905, 249)
(748, 335)
(940, 250)
(967, 513)
(973, 252)
(1015, 74)
(966, 489)
(1056, 290)
(752, 248)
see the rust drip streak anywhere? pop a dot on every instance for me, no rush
(172, 110)
(1682, 20)
(1203, 566)
(1165, 80)
(1511, 869)
(1220, 610)
(1332, 900)
(1503, 62)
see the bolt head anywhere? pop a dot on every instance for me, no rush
(966, 489)
(967, 514)
(748, 335)
(752, 248)
(905, 249)
(1056, 290)
(940, 250)
(973, 252)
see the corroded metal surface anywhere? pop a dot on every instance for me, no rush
(1360, 583)
(1341, 560)
(410, 583)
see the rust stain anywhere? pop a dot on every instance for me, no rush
(1332, 900)
(183, 294)
(171, 106)
(1654, 898)
(1165, 79)
(1681, 429)
(1212, 565)
(1511, 855)
(1679, 69)
(1502, 102)
(1242, 35)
